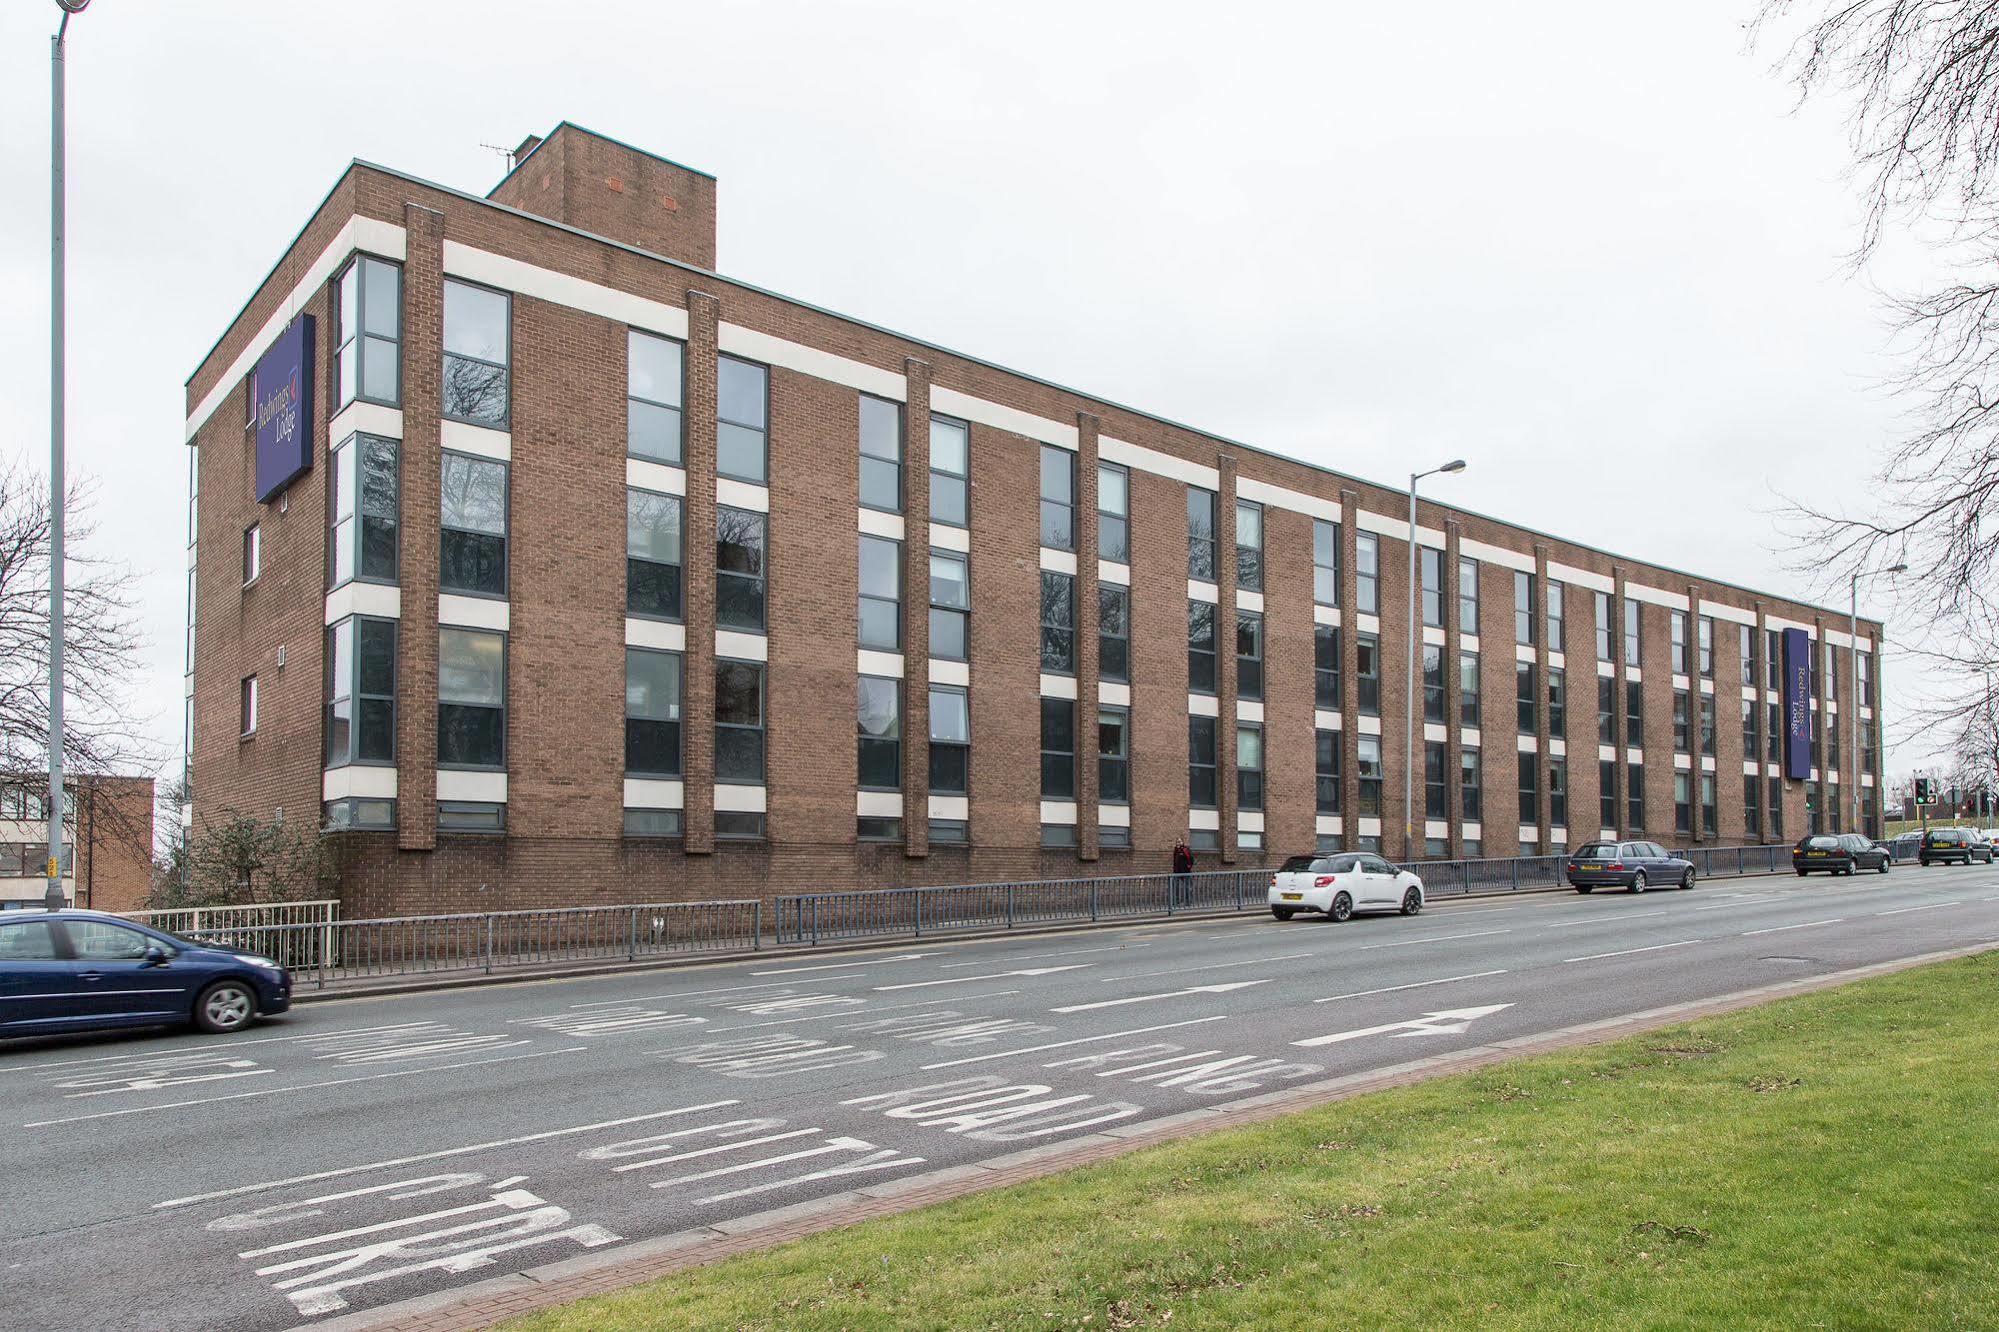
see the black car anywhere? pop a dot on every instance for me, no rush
(1838, 853)
(1953, 846)
(1633, 865)
(1905, 846)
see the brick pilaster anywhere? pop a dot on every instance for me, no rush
(421, 480)
(1544, 734)
(1086, 638)
(1349, 672)
(1225, 691)
(916, 609)
(1453, 691)
(697, 726)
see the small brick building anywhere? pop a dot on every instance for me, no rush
(110, 835)
(602, 577)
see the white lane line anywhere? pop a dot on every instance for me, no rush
(1433, 938)
(438, 1155)
(1600, 919)
(1927, 906)
(697, 1152)
(997, 975)
(1412, 985)
(1626, 952)
(842, 966)
(862, 1012)
(1036, 957)
(689, 994)
(1169, 994)
(1740, 901)
(305, 1086)
(1081, 1040)
(209, 1045)
(1801, 925)
(1207, 966)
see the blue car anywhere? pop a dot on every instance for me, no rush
(64, 971)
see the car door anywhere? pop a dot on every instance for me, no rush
(117, 982)
(36, 987)
(1377, 881)
(1658, 865)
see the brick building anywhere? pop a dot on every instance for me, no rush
(607, 578)
(109, 827)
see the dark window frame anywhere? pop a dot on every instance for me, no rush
(503, 708)
(355, 695)
(761, 429)
(1115, 548)
(1066, 458)
(866, 741)
(359, 441)
(679, 408)
(963, 613)
(343, 340)
(505, 535)
(760, 580)
(678, 505)
(1248, 555)
(864, 598)
(1114, 645)
(1058, 637)
(958, 483)
(867, 402)
(760, 728)
(447, 356)
(678, 719)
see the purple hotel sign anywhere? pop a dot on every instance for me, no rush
(281, 392)
(1797, 705)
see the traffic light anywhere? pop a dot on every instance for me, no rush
(1925, 791)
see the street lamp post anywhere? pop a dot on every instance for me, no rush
(1409, 675)
(1853, 670)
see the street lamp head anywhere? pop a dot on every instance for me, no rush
(1896, 568)
(1454, 465)
(72, 6)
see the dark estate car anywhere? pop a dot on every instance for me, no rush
(1838, 853)
(1633, 865)
(1953, 846)
(64, 971)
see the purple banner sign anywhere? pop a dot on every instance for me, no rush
(1797, 705)
(281, 392)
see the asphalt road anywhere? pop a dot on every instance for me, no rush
(366, 1151)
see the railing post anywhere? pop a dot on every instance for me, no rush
(489, 943)
(757, 926)
(1171, 893)
(815, 921)
(1093, 901)
(1009, 906)
(1513, 866)
(632, 937)
(919, 913)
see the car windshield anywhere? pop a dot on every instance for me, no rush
(1295, 865)
(1595, 850)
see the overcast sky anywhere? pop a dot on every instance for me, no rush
(1597, 253)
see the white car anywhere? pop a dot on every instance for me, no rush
(1340, 883)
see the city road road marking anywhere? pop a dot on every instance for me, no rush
(1801, 925)
(997, 975)
(1035, 957)
(842, 966)
(1927, 906)
(1412, 985)
(1442, 1023)
(1169, 994)
(1599, 919)
(1627, 952)
(1207, 966)
(689, 994)
(229, 1045)
(858, 1012)
(439, 1155)
(1081, 1040)
(1433, 938)
(306, 1086)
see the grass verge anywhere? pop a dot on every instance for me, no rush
(1826, 1161)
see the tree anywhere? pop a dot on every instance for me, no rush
(240, 860)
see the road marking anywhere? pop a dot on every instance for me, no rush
(1927, 906)
(997, 975)
(1433, 938)
(1412, 985)
(735, 1146)
(1600, 919)
(438, 1155)
(1626, 952)
(689, 994)
(307, 1086)
(1801, 925)
(1035, 957)
(209, 1042)
(1081, 1040)
(1168, 994)
(1442, 1023)
(859, 1012)
(1207, 966)
(842, 966)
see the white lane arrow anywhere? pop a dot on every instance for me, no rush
(1169, 994)
(1430, 1024)
(842, 966)
(994, 975)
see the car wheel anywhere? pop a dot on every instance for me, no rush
(1687, 879)
(1283, 913)
(227, 1005)
(1638, 882)
(1882, 868)
(1342, 908)
(1801, 874)
(1412, 903)
(1584, 888)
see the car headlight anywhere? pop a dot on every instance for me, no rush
(257, 961)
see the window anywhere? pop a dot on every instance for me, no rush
(1555, 626)
(1530, 790)
(1864, 663)
(1248, 546)
(1676, 625)
(950, 741)
(652, 713)
(1471, 784)
(1058, 834)
(355, 814)
(741, 538)
(739, 725)
(1710, 825)
(1201, 762)
(1248, 655)
(1527, 715)
(1249, 765)
(1774, 733)
(247, 704)
(1113, 513)
(1606, 710)
(1606, 793)
(652, 555)
(1326, 769)
(477, 816)
(1683, 802)
(1749, 730)
(1325, 562)
(1634, 797)
(1367, 754)
(472, 543)
(1707, 727)
(950, 604)
(1204, 839)
(1367, 671)
(1436, 780)
(1326, 667)
(1558, 703)
(1773, 658)
(1201, 647)
(253, 553)
(1706, 643)
(1831, 691)
(1433, 682)
(950, 471)
(654, 380)
(739, 825)
(1467, 596)
(1058, 622)
(873, 829)
(1682, 723)
(881, 454)
(1113, 756)
(1603, 626)
(1746, 645)
(742, 419)
(1631, 621)
(1558, 792)
(1468, 690)
(1113, 633)
(1523, 607)
(362, 507)
(880, 593)
(1776, 829)
(1201, 534)
(1058, 498)
(471, 698)
(1114, 837)
(1058, 749)
(1367, 573)
(476, 354)
(950, 832)
(1634, 713)
(361, 692)
(1752, 812)
(367, 362)
(879, 709)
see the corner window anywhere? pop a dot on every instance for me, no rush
(879, 729)
(477, 352)
(1201, 534)
(950, 604)
(1631, 625)
(1113, 633)
(1248, 655)
(471, 698)
(1248, 546)
(253, 553)
(652, 555)
(655, 379)
(1556, 627)
(652, 713)
(739, 725)
(880, 593)
(881, 454)
(1467, 596)
(357, 815)
(1706, 647)
(1367, 573)
(1430, 572)
(950, 471)
(1676, 624)
(1202, 761)
(740, 542)
(364, 508)
(360, 692)
(367, 361)
(1113, 756)
(1523, 607)
(1249, 765)
(1113, 513)
(1604, 629)
(1325, 562)
(1058, 498)
(1058, 749)
(1058, 622)
(950, 741)
(472, 543)
(1201, 647)
(742, 416)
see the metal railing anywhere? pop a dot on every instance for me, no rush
(182, 920)
(494, 941)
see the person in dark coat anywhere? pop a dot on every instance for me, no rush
(1183, 869)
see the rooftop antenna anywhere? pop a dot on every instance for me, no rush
(507, 153)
